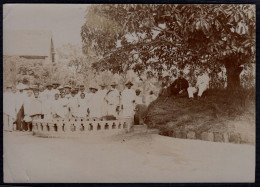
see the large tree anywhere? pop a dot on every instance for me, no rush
(166, 36)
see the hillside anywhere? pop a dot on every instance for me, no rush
(217, 111)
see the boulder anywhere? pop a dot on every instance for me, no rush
(225, 137)
(234, 138)
(191, 135)
(207, 136)
(218, 137)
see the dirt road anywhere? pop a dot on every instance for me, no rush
(134, 157)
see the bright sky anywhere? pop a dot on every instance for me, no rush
(64, 21)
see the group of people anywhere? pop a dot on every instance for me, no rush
(182, 87)
(23, 103)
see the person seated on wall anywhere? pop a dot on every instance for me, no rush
(201, 86)
(179, 86)
(164, 86)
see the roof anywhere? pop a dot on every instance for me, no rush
(27, 42)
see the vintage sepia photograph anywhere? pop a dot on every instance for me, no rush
(98, 93)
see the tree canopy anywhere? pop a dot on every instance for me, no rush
(163, 37)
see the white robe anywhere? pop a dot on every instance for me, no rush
(60, 107)
(93, 102)
(82, 108)
(73, 106)
(113, 101)
(201, 86)
(102, 104)
(127, 100)
(47, 97)
(36, 106)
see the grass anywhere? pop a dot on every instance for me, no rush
(213, 112)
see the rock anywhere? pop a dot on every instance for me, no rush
(180, 134)
(210, 136)
(207, 136)
(244, 138)
(218, 137)
(204, 136)
(234, 138)
(191, 135)
(225, 137)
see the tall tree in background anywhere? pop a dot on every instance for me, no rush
(165, 36)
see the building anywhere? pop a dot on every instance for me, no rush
(29, 44)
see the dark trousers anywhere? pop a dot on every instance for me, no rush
(19, 119)
(139, 114)
(27, 126)
(175, 91)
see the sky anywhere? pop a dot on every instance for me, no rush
(64, 20)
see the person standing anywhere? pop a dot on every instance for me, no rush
(63, 103)
(128, 101)
(73, 104)
(36, 105)
(67, 89)
(47, 98)
(82, 106)
(55, 86)
(94, 103)
(27, 122)
(56, 107)
(112, 99)
(20, 96)
(9, 114)
(102, 103)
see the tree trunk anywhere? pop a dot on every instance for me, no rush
(233, 71)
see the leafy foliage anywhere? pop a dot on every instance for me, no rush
(162, 37)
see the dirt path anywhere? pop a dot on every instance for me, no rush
(133, 157)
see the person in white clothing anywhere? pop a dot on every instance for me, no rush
(67, 91)
(201, 86)
(9, 114)
(93, 102)
(112, 99)
(63, 103)
(128, 101)
(73, 104)
(55, 89)
(56, 106)
(82, 106)
(47, 98)
(36, 105)
(101, 94)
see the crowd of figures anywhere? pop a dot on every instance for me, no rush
(25, 103)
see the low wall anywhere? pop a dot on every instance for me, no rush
(79, 126)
